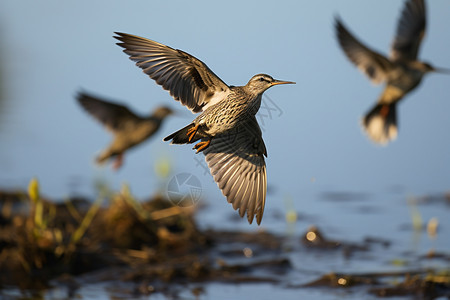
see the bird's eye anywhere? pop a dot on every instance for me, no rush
(262, 79)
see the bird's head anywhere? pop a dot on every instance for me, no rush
(162, 112)
(261, 82)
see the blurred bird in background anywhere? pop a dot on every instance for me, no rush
(402, 72)
(128, 129)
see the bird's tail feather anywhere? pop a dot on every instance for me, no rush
(181, 136)
(380, 123)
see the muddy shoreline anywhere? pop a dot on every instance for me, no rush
(156, 246)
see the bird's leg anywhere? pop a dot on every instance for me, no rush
(202, 145)
(118, 162)
(384, 111)
(191, 132)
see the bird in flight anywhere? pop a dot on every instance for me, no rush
(128, 129)
(402, 71)
(227, 131)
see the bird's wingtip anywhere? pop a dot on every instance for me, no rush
(338, 21)
(120, 36)
(259, 218)
(81, 95)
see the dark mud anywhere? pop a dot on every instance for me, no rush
(156, 247)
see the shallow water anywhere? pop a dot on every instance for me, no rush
(394, 247)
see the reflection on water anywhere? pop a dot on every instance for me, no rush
(364, 256)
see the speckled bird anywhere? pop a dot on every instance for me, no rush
(227, 130)
(402, 72)
(128, 129)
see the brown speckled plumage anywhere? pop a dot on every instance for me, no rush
(229, 135)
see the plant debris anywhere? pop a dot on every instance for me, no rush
(158, 248)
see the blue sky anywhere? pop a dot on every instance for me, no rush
(52, 49)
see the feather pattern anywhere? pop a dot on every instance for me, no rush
(188, 79)
(410, 31)
(236, 160)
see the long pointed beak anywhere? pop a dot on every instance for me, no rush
(442, 70)
(277, 82)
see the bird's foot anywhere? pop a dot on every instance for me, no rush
(202, 145)
(191, 132)
(118, 162)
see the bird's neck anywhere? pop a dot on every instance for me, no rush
(255, 103)
(418, 66)
(256, 93)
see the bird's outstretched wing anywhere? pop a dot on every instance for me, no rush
(113, 116)
(371, 63)
(410, 31)
(236, 160)
(187, 78)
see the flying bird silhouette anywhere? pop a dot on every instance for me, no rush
(402, 71)
(128, 129)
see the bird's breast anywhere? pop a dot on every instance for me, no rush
(405, 78)
(230, 112)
